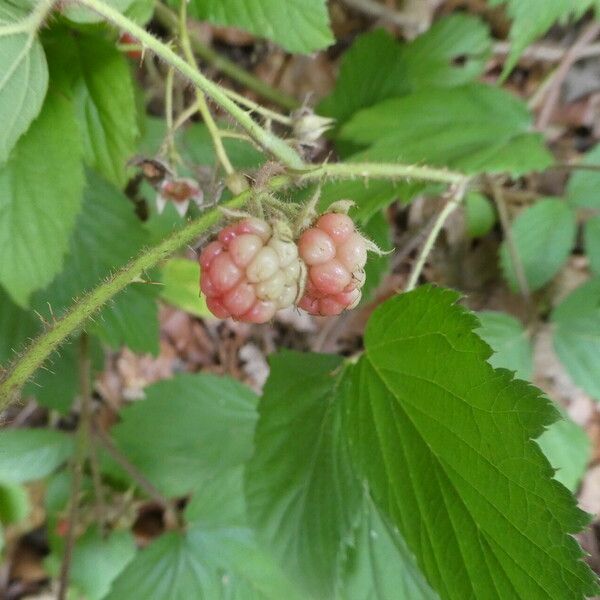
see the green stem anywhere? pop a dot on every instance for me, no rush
(41, 347)
(270, 142)
(203, 109)
(168, 19)
(451, 205)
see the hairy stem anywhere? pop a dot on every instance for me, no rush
(456, 196)
(168, 19)
(267, 140)
(41, 347)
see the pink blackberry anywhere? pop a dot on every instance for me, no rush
(251, 271)
(335, 254)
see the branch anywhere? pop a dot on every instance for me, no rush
(267, 140)
(41, 347)
(168, 19)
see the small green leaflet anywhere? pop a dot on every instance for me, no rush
(29, 454)
(301, 493)
(568, 449)
(591, 240)
(180, 286)
(23, 79)
(475, 128)
(577, 336)
(445, 442)
(480, 215)
(40, 196)
(377, 67)
(544, 235)
(296, 25)
(510, 342)
(14, 503)
(209, 428)
(583, 188)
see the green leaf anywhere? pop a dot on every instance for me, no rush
(475, 128)
(97, 561)
(14, 503)
(444, 441)
(533, 18)
(222, 564)
(583, 186)
(568, 449)
(544, 235)
(577, 336)
(296, 25)
(23, 80)
(28, 454)
(180, 278)
(107, 236)
(301, 493)
(78, 14)
(479, 214)
(591, 240)
(380, 566)
(40, 195)
(509, 341)
(452, 52)
(198, 424)
(106, 108)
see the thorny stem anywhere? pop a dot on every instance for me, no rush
(81, 451)
(168, 18)
(456, 197)
(267, 140)
(41, 347)
(171, 520)
(203, 109)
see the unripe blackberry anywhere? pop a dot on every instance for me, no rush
(251, 271)
(335, 254)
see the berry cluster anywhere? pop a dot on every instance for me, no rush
(251, 271)
(255, 268)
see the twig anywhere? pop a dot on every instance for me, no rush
(569, 58)
(456, 196)
(83, 432)
(168, 19)
(515, 259)
(546, 52)
(137, 476)
(372, 8)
